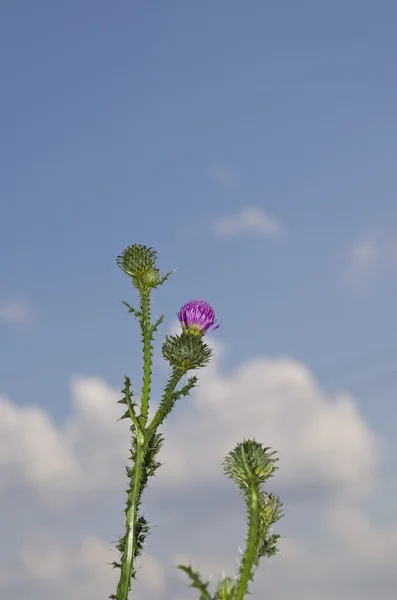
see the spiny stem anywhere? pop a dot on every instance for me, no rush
(127, 559)
(147, 337)
(134, 493)
(167, 402)
(251, 552)
(132, 414)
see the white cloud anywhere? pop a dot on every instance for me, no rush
(357, 560)
(85, 454)
(320, 438)
(32, 450)
(93, 434)
(275, 400)
(324, 571)
(81, 571)
(361, 538)
(249, 220)
(15, 311)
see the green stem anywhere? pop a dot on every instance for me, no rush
(127, 559)
(132, 414)
(147, 336)
(251, 552)
(167, 402)
(134, 493)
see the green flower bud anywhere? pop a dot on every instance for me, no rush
(269, 546)
(186, 352)
(271, 509)
(249, 463)
(226, 589)
(139, 263)
(151, 277)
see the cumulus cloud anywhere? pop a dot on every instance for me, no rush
(85, 454)
(360, 537)
(32, 450)
(320, 438)
(79, 570)
(315, 571)
(15, 311)
(249, 220)
(278, 401)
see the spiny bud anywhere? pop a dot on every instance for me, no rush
(186, 351)
(271, 509)
(269, 546)
(249, 462)
(226, 589)
(139, 263)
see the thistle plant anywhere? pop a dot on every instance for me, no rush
(249, 464)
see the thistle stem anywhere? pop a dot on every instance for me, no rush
(127, 559)
(250, 556)
(135, 491)
(167, 402)
(147, 336)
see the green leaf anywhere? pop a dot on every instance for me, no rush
(131, 309)
(157, 323)
(197, 582)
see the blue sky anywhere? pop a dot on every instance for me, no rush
(114, 121)
(157, 122)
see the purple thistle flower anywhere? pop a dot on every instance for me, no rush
(198, 316)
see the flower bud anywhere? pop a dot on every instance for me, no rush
(249, 462)
(186, 352)
(271, 509)
(139, 262)
(226, 589)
